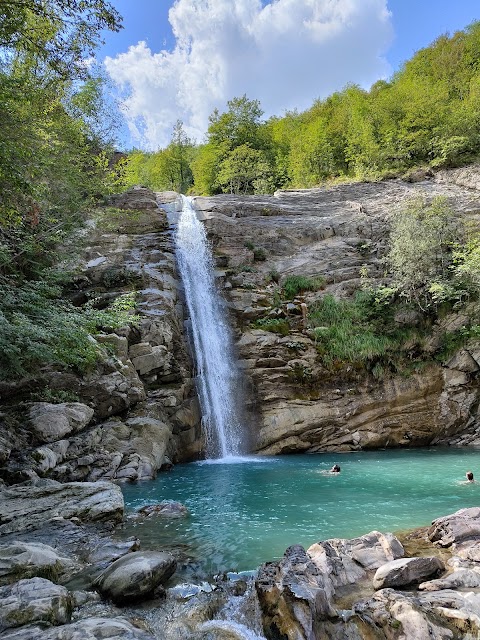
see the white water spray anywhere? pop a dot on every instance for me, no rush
(217, 371)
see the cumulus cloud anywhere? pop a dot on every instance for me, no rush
(285, 53)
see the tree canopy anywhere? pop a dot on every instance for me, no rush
(427, 114)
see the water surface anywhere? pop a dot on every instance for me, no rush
(243, 514)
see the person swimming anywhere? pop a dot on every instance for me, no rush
(335, 468)
(469, 476)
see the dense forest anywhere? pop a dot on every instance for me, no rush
(428, 114)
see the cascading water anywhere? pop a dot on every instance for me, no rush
(218, 377)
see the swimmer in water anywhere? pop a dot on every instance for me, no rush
(335, 470)
(469, 476)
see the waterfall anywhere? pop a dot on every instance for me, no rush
(217, 374)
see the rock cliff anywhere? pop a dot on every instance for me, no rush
(333, 233)
(137, 410)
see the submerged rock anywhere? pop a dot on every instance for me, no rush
(135, 576)
(166, 509)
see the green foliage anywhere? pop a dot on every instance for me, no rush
(58, 33)
(168, 169)
(359, 334)
(38, 327)
(54, 396)
(293, 285)
(422, 238)
(275, 325)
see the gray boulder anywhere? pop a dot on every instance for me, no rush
(457, 527)
(29, 506)
(346, 561)
(294, 596)
(406, 571)
(51, 422)
(28, 559)
(135, 576)
(88, 629)
(33, 601)
(459, 579)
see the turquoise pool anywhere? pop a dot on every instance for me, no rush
(243, 514)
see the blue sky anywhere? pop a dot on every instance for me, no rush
(286, 53)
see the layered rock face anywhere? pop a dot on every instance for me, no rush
(333, 233)
(137, 410)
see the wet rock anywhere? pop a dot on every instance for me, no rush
(50, 422)
(406, 571)
(26, 507)
(135, 576)
(34, 601)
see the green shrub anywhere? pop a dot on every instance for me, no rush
(360, 334)
(37, 328)
(259, 254)
(293, 285)
(275, 325)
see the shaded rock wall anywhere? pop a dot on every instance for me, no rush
(137, 410)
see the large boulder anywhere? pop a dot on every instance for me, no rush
(456, 527)
(34, 601)
(50, 422)
(27, 507)
(294, 596)
(135, 576)
(20, 559)
(347, 561)
(406, 571)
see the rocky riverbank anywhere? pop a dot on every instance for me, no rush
(63, 577)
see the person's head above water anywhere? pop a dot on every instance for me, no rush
(469, 476)
(335, 468)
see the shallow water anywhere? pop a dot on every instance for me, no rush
(246, 513)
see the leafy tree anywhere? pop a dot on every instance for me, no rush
(422, 239)
(239, 169)
(57, 33)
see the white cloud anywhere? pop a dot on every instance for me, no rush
(285, 53)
